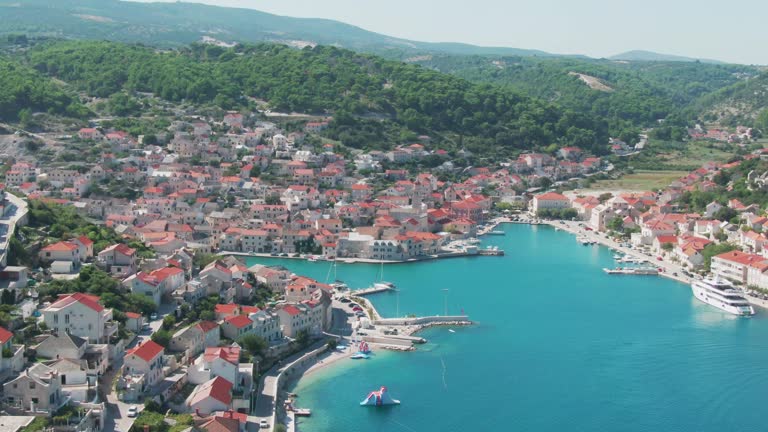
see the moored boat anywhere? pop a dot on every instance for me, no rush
(722, 295)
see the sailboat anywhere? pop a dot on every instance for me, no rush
(337, 284)
(382, 284)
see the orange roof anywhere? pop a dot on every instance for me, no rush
(132, 315)
(228, 308)
(60, 247)
(551, 196)
(146, 351)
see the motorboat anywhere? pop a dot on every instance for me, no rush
(360, 356)
(722, 295)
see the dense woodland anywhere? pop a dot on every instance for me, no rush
(23, 91)
(355, 88)
(638, 93)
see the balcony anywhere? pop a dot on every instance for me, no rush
(110, 328)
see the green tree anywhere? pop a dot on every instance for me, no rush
(254, 344)
(162, 337)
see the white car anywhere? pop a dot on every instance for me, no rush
(263, 424)
(133, 411)
(153, 316)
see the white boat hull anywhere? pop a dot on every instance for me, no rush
(701, 294)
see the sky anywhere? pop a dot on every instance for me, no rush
(732, 31)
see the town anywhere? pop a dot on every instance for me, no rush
(125, 280)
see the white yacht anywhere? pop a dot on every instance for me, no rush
(721, 294)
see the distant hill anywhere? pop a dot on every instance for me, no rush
(178, 24)
(639, 55)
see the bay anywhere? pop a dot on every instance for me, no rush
(558, 345)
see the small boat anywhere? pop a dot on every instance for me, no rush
(360, 356)
(496, 232)
(379, 398)
(452, 330)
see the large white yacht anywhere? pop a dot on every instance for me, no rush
(721, 294)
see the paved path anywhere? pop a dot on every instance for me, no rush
(117, 411)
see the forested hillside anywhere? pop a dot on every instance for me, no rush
(364, 93)
(23, 90)
(631, 94)
(739, 103)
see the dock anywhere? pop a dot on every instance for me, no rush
(371, 290)
(632, 271)
(490, 252)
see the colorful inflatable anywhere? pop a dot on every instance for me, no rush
(379, 398)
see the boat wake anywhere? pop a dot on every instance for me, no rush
(445, 383)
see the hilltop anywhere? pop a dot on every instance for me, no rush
(179, 24)
(640, 55)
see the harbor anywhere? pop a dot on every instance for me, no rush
(578, 311)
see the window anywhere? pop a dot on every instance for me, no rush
(34, 400)
(56, 319)
(31, 385)
(66, 319)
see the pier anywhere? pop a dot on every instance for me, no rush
(371, 290)
(490, 252)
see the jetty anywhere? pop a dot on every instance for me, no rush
(632, 271)
(491, 252)
(371, 290)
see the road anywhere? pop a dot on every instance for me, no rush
(264, 406)
(117, 411)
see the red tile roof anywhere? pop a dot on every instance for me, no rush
(207, 326)
(146, 351)
(132, 315)
(90, 301)
(239, 321)
(229, 354)
(291, 310)
(551, 196)
(5, 335)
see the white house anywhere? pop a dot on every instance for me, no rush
(81, 315)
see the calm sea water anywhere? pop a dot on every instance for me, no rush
(559, 345)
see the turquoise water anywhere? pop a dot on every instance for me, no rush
(559, 346)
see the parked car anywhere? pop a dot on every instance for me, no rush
(658, 258)
(263, 424)
(132, 411)
(153, 316)
(344, 300)
(357, 309)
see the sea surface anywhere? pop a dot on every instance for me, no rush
(558, 346)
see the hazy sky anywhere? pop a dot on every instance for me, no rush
(734, 30)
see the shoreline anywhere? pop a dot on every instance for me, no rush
(669, 268)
